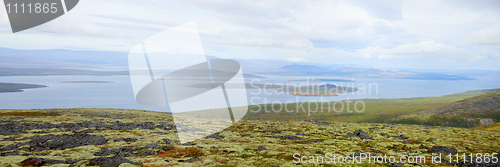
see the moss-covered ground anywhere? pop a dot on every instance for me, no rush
(246, 143)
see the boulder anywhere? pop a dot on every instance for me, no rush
(443, 150)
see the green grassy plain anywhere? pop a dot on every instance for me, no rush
(376, 110)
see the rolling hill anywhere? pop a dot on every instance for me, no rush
(479, 110)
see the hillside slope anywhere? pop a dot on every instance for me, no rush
(468, 112)
(480, 106)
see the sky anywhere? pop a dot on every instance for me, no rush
(389, 34)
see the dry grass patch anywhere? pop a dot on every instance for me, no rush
(29, 114)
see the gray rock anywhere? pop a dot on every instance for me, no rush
(431, 139)
(288, 137)
(360, 134)
(192, 160)
(400, 137)
(151, 146)
(124, 151)
(110, 161)
(166, 141)
(61, 142)
(188, 144)
(443, 150)
(125, 139)
(216, 136)
(146, 153)
(261, 148)
(9, 153)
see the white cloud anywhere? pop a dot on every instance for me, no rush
(487, 36)
(298, 59)
(327, 31)
(299, 43)
(423, 50)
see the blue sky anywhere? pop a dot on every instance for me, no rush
(426, 34)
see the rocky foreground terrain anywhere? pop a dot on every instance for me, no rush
(113, 137)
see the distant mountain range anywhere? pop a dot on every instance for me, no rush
(60, 58)
(69, 59)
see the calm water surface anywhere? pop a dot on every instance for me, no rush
(119, 93)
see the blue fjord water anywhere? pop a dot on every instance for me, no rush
(119, 94)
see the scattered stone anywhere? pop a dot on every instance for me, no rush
(161, 133)
(166, 148)
(188, 144)
(320, 152)
(422, 146)
(260, 148)
(73, 161)
(323, 123)
(62, 142)
(400, 137)
(288, 137)
(216, 136)
(151, 146)
(397, 164)
(406, 142)
(147, 153)
(444, 150)
(85, 131)
(431, 139)
(192, 160)
(124, 152)
(125, 139)
(166, 141)
(360, 134)
(110, 161)
(13, 127)
(9, 139)
(9, 153)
